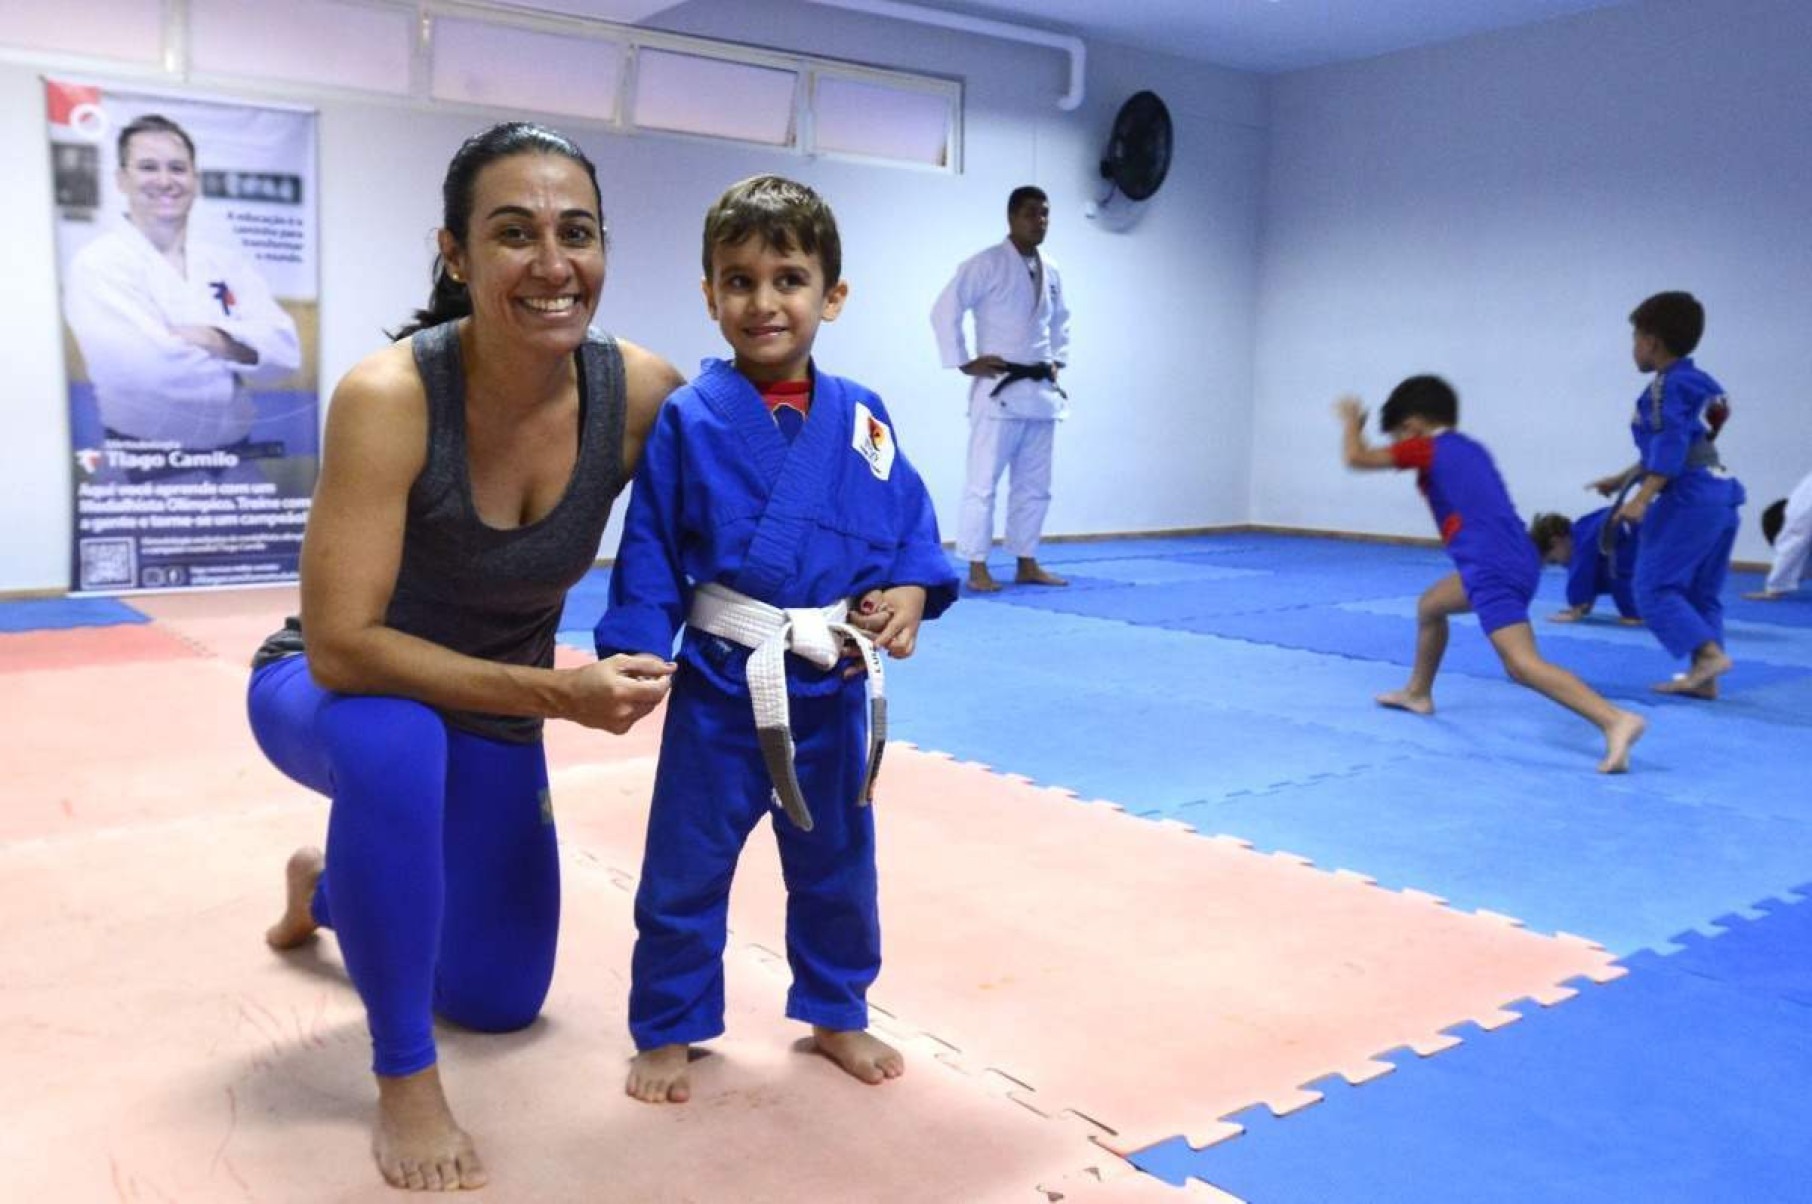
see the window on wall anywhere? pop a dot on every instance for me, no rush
(695, 94)
(132, 30)
(438, 53)
(480, 63)
(366, 47)
(883, 120)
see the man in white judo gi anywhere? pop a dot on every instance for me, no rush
(1022, 341)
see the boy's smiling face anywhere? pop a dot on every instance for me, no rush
(769, 305)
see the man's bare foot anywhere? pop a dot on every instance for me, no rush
(1030, 572)
(416, 1142)
(1700, 680)
(658, 1075)
(1762, 595)
(981, 580)
(1407, 700)
(1629, 621)
(860, 1053)
(1619, 738)
(298, 922)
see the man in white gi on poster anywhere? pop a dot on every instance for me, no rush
(1022, 341)
(173, 330)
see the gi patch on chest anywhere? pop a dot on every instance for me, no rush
(874, 442)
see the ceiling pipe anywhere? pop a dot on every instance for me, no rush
(1067, 43)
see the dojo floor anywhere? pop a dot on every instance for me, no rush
(1172, 912)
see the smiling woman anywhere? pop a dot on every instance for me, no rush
(467, 476)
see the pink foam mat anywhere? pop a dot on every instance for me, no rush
(74, 647)
(1134, 973)
(229, 624)
(94, 746)
(152, 1049)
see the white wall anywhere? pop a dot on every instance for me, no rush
(1161, 372)
(1493, 209)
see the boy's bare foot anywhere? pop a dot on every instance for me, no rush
(416, 1142)
(658, 1075)
(298, 922)
(1407, 700)
(860, 1053)
(1619, 738)
(1030, 572)
(981, 580)
(1629, 621)
(1679, 689)
(1700, 680)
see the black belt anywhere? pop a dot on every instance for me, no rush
(1027, 372)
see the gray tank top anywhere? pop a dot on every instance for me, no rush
(490, 593)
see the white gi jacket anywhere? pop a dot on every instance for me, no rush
(121, 298)
(1794, 543)
(1021, 321)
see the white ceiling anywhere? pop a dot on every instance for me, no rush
(1252, 35)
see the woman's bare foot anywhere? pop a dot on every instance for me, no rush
(416, 1142)
(1407, 700)
(658, 1075)
(1619, 738)
(860, 1053)
(298, 922)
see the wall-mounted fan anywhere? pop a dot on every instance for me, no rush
(1138, 151)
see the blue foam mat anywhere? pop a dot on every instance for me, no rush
(1660, 1087)
(48, 614)
(1623, 669)
(1561, 849)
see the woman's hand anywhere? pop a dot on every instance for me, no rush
(615, 693)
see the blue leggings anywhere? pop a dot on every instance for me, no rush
(710, 791)
(443, 876)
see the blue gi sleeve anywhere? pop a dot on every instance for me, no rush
(920, 558)
(649, 594)
(1582, 574)
(1582, 569)
(1665, 454)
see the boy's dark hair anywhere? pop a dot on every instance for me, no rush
(1427, 397)
(784, 213)
(1024, 193)
(153, 123)
(448, 298)
(1773, 519)
(1546, 529)
(1677, 319)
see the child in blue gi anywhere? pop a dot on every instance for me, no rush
(772, 500)
(1686, 503)
(1593, 570)
(1497, 564)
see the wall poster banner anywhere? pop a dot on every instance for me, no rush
(187, 245)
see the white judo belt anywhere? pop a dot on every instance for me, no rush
(816, 635)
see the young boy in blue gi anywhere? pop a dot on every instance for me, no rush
(775, 517)
(1497, 564)
(1686, 503)
(1593, 570)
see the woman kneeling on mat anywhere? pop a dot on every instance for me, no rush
(467, 475)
